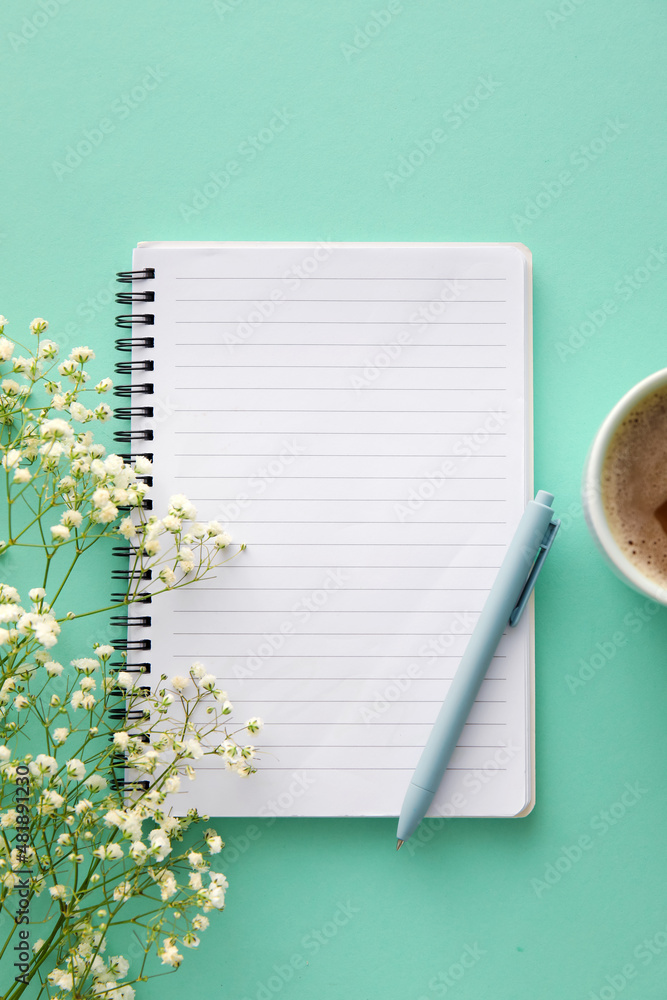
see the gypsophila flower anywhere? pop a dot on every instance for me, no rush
(76, 768)
(214, 842)
(73, 494)
(254, 725)
(122, 892)
(71, 518)
(38, 325)
(60, 532)
(11, 459)
(95, 782)
(169, 953)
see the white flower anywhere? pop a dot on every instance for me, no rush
(168, 886)
(167, 576)
(49, 802)
(214, 896)
(194, 749)
(172, 783)
(58, 891)
(39, 944)
(191, 941)
(79, 412)
(195, 881)
(179, 683)
(71, 518)
(169, 953)
(160, 844)
(60, 735)
(6, 348)
(60, 532)
(22, 476)
(196, 859)
(198, 669)
(121, 740)
(9, 595)
(186, 559)
(81, 354)
(200, 922)
(125, 680)
(113, 464)
(104, 385)
(37, 594)
(102, 412)
(118, 965)
(75, 768)
(38, 325)
(104, 652)
(222, 540)
(83, 805)
(20, 702)
(181, 506)
(85, 664)
(171, 522)
(56, 428)
(95, 782)
(5, 754)
(43, 764)
(8, 818)
(138, 852)
(44, 627)
(53, 669)
(127, 529)
(48, 349)
(10, 612)
(207, 682)
(122, 892)
(107, 513)
(143, 466)
(81, 700)
(254, 725)
(11, 459)
(215, 844)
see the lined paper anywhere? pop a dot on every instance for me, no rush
(357, 414)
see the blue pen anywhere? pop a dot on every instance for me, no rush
(504, 605)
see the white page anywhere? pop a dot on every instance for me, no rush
(358, 415)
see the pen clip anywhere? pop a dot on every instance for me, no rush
(542, 553)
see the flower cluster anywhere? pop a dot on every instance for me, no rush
(91, 847)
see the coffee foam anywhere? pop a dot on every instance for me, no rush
(634, 485)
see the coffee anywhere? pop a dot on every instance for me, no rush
(634, 486)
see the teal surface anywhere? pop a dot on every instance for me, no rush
(539, 121)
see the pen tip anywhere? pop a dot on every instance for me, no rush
(399, 844)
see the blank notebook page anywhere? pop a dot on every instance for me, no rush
(359, 416)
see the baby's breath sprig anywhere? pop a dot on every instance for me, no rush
(98, 861)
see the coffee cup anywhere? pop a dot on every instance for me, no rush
(641, 571)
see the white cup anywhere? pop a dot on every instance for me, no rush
(592, 491)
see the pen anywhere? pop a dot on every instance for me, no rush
(504, 605)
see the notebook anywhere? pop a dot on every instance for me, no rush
(359, 415)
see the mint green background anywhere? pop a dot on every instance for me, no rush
(323, 177)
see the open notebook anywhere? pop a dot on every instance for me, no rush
(359, 414)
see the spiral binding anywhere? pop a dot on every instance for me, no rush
(129, 391)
